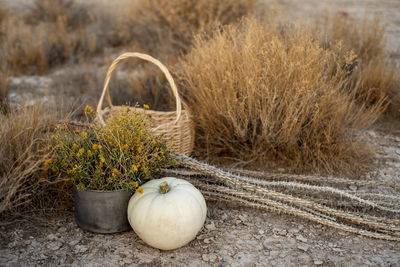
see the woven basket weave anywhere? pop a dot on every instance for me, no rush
(175, 127)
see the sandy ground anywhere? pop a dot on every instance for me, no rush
(232, 236)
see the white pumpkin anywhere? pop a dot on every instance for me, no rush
(168, 214)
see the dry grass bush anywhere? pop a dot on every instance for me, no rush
(376, 81)
(35, 42)
(374, 77)
(366, 37)
(50, 11)
(23, 150)
(4, 105)
(261, 94)
(168, 27)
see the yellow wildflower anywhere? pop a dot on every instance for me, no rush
(134, 168)
(96, 147)
(89, 153)
(135, 184)
(64, 163)
(54, 169)
(47, 162)
(146, 106)
(139, 190)
(88, 110)
(109, 179)
(53, 136)
(115, 173)
(73, 179)
(84, 134)
(75, 146)
(101, 158)
(72, 171)
(80, 152)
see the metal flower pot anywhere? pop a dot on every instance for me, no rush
(102, 212)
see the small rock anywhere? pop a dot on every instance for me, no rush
(128, 261)
(207, 240)
(54, 245)
(267, 244)
(318, 262)
(52, 237)
(209, 257)
(301, 238)
(303, 247)
(74, 241)
(80, 249)
(276, 230)
(211, 226)
(261, 232)
(353, 187)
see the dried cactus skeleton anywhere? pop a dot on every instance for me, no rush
(305, 196)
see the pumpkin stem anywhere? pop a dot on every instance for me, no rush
(164, 188)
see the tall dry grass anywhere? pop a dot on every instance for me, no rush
(49, 34)
(262, 94)
(4, 86)
(50, 11)
(168, 27)
(24, 136)
(366, 36)
(374, 77)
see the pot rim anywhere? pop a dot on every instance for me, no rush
(101, 191)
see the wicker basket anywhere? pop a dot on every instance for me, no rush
(175, 127)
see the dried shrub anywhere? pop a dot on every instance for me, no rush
(374, 78)
(168, 27)
(366, 37)
(50, 11)
(4, 84)
(23, 150)
(261, 94)
(376, 81)
(36, 48)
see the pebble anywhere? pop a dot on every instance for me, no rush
(208, 240)
(301, 238)
(318, 262)
(209, 257)
(303, 247)
(211, 226)
(80, 249)
(54, 245)
(74, 241)
(52, 237)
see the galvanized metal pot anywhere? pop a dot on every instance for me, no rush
(102, 212)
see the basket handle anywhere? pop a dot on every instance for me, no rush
(156, 62)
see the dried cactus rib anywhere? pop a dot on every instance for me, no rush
(391, 202)
(312, 178)
(314, 208)
(237, 181)
(281, 208)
